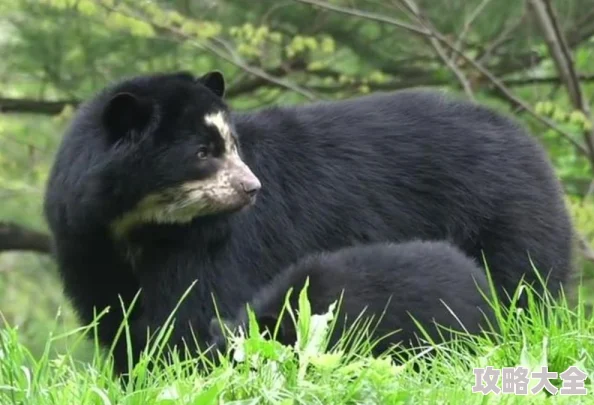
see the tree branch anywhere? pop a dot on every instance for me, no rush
(367, 15)
(252, 84)
(451, 64)
(26, 105)
(558, 48)
(469, 21)
(45, 107)
(528, 81)
(509, 64)
(503, 37)
(561, 55)
(16, 237)
(223, 50)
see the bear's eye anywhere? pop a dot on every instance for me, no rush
(203, 152)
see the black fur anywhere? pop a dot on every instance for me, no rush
(393, 166)
(389, 281)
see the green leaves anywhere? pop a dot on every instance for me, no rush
(557, 112)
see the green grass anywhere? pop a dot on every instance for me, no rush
(556, 334)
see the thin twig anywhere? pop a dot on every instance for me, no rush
(544, 80)
(422, 20)
(367, 15)
(502, 38)
(16, 237)
(234, 58)
(468, 23)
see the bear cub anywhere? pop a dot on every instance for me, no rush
(432, 281)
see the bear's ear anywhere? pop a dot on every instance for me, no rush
(215, 82)
(124, 113)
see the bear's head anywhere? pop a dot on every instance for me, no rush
(174, 147)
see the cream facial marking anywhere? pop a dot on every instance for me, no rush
(219, 121)
(219, 193)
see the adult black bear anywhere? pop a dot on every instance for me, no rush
(149, 189)
(432, 281)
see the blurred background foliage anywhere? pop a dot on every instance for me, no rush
(528, 58)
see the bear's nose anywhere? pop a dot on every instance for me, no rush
(251, 187)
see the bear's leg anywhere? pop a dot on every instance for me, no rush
(513, 251)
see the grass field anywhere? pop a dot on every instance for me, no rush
(265, 372)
